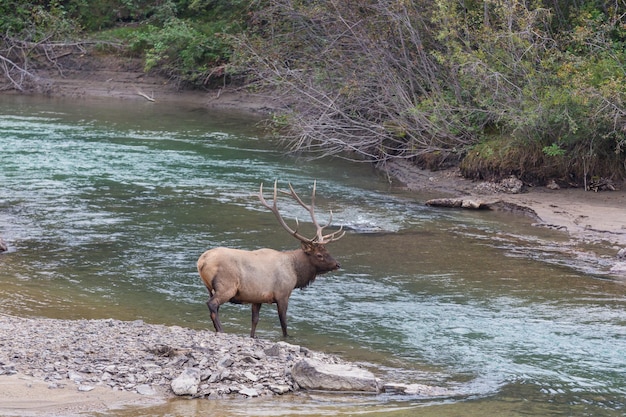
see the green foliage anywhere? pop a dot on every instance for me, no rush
(14, 16)
(35, 22)
(182, 48)
(553, 150)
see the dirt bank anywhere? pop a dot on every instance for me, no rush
(122, 78)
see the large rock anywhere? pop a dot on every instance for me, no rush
(187, 382)
(316, 375)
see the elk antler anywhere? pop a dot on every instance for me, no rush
(320, 236)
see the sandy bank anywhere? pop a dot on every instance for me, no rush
(22, 395)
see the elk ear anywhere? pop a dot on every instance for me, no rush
(308, 247)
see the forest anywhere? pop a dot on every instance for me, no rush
(533, 88)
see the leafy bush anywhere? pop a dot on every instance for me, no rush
(183, 50)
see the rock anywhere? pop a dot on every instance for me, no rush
(249, 392)
(316, 375)
(621, 254)
(225, 362)
(8, 369)
(75, 377)
(280, 389)
(145, 389)
(415, 389)
(252, 377)
(552, 185)
(512, 185)
(153, 359)
(86, 388)
(471, 204)
(273, 350)
(187, 382)
(457, 203)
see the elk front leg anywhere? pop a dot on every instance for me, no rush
(281, 306)
(214, 306)
(256, 309)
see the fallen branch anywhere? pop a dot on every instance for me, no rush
(147, 97)
(497, 205)
(9, 67)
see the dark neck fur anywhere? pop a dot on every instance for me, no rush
(305, 272)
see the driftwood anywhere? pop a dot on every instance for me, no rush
(497, 205)
(147, 97)
(457, 203)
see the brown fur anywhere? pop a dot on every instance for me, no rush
(263, 276)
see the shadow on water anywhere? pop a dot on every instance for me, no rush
(107, 207)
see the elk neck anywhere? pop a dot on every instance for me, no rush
(305, 270)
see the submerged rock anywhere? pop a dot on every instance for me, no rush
(416, 389)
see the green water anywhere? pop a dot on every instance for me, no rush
(106, 207)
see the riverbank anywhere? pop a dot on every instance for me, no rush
(586, 216)
(96, 76)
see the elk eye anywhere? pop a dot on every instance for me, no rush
(320, 256)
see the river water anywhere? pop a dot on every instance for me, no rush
(107, 206)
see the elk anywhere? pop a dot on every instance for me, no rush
(267, 275)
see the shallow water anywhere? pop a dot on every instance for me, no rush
(107, 206)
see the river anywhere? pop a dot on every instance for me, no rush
(106, 206)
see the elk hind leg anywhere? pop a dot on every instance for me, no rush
(281, 306)
(219, 296)
(256, 309)
(214, 307)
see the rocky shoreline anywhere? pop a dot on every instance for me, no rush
(145, 358)
(164, 361)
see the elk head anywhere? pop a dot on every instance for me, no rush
(315, 247)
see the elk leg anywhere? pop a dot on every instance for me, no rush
(281, 306)
(214, 306)
(256, 308)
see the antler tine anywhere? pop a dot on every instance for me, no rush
(331, 237)
(274, 209)
(320, 237)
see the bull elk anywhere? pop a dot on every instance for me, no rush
(266, 275)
